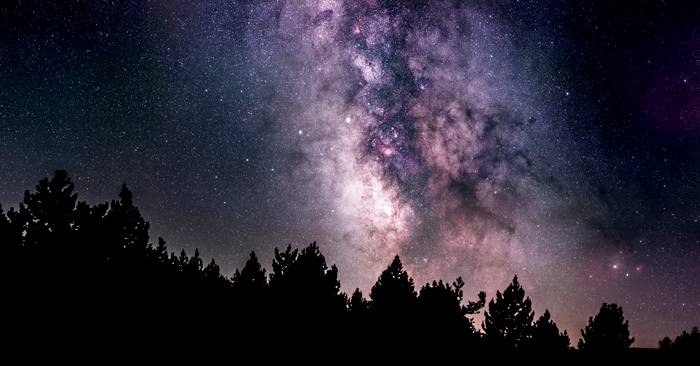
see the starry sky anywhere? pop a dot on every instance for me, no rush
(556, 141)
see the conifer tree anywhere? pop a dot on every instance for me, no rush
(131, 230)
(307, 293)
(161, 251)
(394, 291)
(251, 280)
(280, 265)
(182, 261)
(509, 319)
(442, 304)
(608, 331)
(304, 280)
(250, 303)
(211, 272)
(48, 214)
(194, 265)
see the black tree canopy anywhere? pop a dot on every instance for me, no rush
(608, 331)
(509, 319)
(546, 336)
(394, 290)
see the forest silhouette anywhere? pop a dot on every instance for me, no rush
(85, 274)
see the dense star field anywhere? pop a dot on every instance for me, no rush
(483, 139)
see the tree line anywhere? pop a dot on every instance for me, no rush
(75, 271)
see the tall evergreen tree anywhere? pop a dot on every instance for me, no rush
(251, 281)
(393, 295)
(162, 251)
(48, 214)
(195, 265)
(129, 228)
(250, 301)
(307, 289)
(509, 319)
(280, 266)
(608, 331)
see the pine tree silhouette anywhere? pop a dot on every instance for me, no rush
(508, 322)
(308, 291)
(441, 315)
(130, 230)
(393, 302)
(251, 281)
(251, 307)
(106, 280)
(608, 331)
(48, 214)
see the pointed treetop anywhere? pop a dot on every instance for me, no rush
(252, 275)
(126, 196)
(510, 316)
(393, 287)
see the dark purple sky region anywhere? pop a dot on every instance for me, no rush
(483, 139)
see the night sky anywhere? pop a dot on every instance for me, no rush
(483, 139)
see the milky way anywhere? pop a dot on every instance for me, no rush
(483, 140)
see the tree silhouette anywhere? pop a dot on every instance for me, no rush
(357, 323)
(280, 266)
(129, 229)
(442, 304)
(48, 214)
(107, 281)
(194, 266)
(608, 331)
(546, 336)
(251, 280)
(509, 319)
(442, 316)
(250, 297)
(306, 294)
(392, 308)
(162, 252)
(306, 278)
(357, 305)
(686, 342)
(105, 278)
(393, 292)
(665, 344)
(10, 233)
